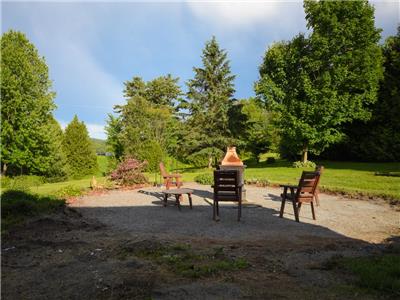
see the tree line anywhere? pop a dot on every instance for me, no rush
(332, 93)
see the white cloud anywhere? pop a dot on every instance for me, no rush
(96, 131)
(236, 13)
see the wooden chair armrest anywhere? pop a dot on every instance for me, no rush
(290, 186)
(172, 176)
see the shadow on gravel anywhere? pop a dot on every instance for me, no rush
(96, 254)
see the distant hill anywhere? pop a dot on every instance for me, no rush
(99, 145)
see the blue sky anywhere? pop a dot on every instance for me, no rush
(91, 48)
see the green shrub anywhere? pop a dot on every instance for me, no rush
(271, 160)
(17, 205)
(69, 191)
(307, 164)
(206, 179)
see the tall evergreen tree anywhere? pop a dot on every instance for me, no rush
(210, 98)
(322, 82)
(26, 107)
(79, 149)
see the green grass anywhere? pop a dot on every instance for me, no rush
(17, 206)
(187, 262)
(376, 274)
(350, 178)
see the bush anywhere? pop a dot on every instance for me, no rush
(307, 164)
(201, 158)
(16, 206)
(206, 179)
(129, 172)
(69, 191)
(271, 160)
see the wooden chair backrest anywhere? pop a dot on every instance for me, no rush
(308, 183)
(162, 170)
(226, 181)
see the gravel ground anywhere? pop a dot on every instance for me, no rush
(140, 212)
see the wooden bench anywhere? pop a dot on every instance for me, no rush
(178, 195)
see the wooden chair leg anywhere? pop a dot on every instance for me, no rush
(317, 198)
(296, 212)
(240, 210)
(313, 211)
(165, 200)
(282, 207)
(217, 205)
(298, 208)
(214, 209)
(177, 201)
(190, 200)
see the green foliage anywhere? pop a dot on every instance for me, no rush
(206, 179)
(254, 126)
(17, 206)
(144, 130)
(21, 183)
(379, 138)
(114, 136)
(206, 157)
(210, 98)
(321, 82)
(187, 262)
(377, 273)
(79, 150)
(307, 164)
(69, 191)
(29, 144)
(163, 90)
(99, 145)
(271, 160)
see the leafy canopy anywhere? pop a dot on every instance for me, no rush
(27, 124)
(321, 82)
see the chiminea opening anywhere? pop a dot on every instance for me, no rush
(232, 161)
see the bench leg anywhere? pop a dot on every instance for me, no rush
(177, 201)
(190, 200)
(296, 211)
(282, 207)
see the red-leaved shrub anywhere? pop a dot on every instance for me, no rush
(129, 172)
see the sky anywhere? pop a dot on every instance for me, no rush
(92, 48)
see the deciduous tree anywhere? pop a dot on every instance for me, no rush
(26, 108)
(322, 82)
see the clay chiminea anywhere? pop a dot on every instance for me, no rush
(231, 158)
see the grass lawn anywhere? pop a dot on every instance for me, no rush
(346, 177)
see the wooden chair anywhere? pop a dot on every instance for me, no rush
(226, 188)
(319, 169)
(304, 192)
(169, 178)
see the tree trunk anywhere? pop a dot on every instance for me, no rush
(305, 152)
(4, 170)
(210, 159)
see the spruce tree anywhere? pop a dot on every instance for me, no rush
(79, 150)
(210, 98)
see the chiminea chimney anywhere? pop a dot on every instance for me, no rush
(232, 161)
